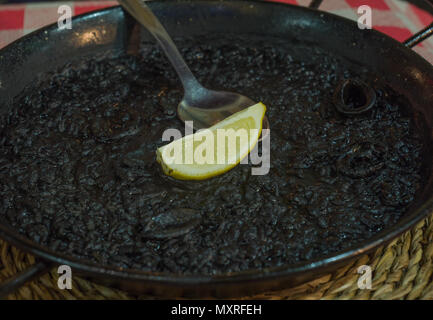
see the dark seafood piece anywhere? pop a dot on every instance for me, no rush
(173, 223)
(354, 97)
(362, 160)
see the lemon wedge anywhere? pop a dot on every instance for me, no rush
(213, 151)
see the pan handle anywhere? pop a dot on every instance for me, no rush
(18, 280)
(419, 36)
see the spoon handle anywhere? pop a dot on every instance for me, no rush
(142, 13)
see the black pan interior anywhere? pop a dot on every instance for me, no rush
(108, 33)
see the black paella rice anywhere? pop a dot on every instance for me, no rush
(78, 171)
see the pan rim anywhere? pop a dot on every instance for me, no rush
(89, 267)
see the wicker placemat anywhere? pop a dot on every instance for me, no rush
(401, 270)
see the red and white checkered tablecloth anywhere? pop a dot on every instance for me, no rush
(396, 18)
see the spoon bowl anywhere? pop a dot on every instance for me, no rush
(208, 107)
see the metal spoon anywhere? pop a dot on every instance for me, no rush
(202, 106)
